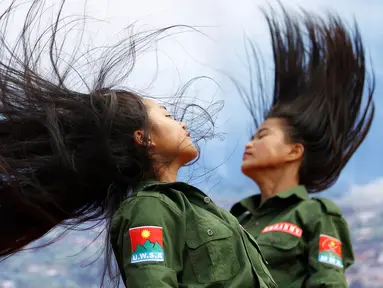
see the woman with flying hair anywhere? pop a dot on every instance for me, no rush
(317, 120)
(112, 156)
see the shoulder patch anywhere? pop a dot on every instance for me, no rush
(329, 206)
(330, 251)
(285, 227)
(147, 244)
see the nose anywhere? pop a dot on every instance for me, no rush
(183, 125)
(249, 145)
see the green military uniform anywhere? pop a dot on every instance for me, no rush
(305, 240)
(173, 235)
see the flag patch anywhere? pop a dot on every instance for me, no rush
(330, 250)
(146, 244)
(285, 227)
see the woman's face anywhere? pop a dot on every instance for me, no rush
(269, 148)
(169, 139)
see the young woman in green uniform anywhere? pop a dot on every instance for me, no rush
(317, 120)
(109, 155)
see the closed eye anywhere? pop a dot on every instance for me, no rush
(257, 136)
(261, 133)
(260, 136)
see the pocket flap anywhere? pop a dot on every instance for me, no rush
(200, 233)
(278, 240)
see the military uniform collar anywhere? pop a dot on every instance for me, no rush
(157, 185)
(147, 184)
(253, 202)
(299, 191)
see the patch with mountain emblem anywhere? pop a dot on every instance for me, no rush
(146, 244)
(330, 251)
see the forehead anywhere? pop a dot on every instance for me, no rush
(271, 123)
(152, 104)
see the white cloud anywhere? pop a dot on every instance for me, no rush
(364, 195)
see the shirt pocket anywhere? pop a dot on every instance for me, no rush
(280, 248)
(211, 251)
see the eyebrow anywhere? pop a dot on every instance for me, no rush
(163, 107)
(260, 131)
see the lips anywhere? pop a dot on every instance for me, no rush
(246, 154)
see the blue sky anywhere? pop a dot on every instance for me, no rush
(221, 50)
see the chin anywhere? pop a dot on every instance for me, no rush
(188, 154)
(247, 169)
(192, 154)
(244, 169)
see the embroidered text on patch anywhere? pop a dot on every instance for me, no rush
(285, 227)
(146, 244)
(330, 250)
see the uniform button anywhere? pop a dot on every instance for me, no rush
(209, 232)
(206, 199)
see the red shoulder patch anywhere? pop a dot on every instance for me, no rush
(284, 227)
(330, 250)
(147, 244)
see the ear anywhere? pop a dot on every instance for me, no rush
(139, 135)
(296, 152)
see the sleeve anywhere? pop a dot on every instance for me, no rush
(330, 252)
(152, 243)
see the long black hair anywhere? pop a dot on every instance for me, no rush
(67, 157)
(319, 83)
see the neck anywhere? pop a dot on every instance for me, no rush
(168, 172)
(275, 183)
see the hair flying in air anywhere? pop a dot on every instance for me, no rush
(321, 90)
(66, 156)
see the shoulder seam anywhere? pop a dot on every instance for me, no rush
(329, 210)
(177, 211)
